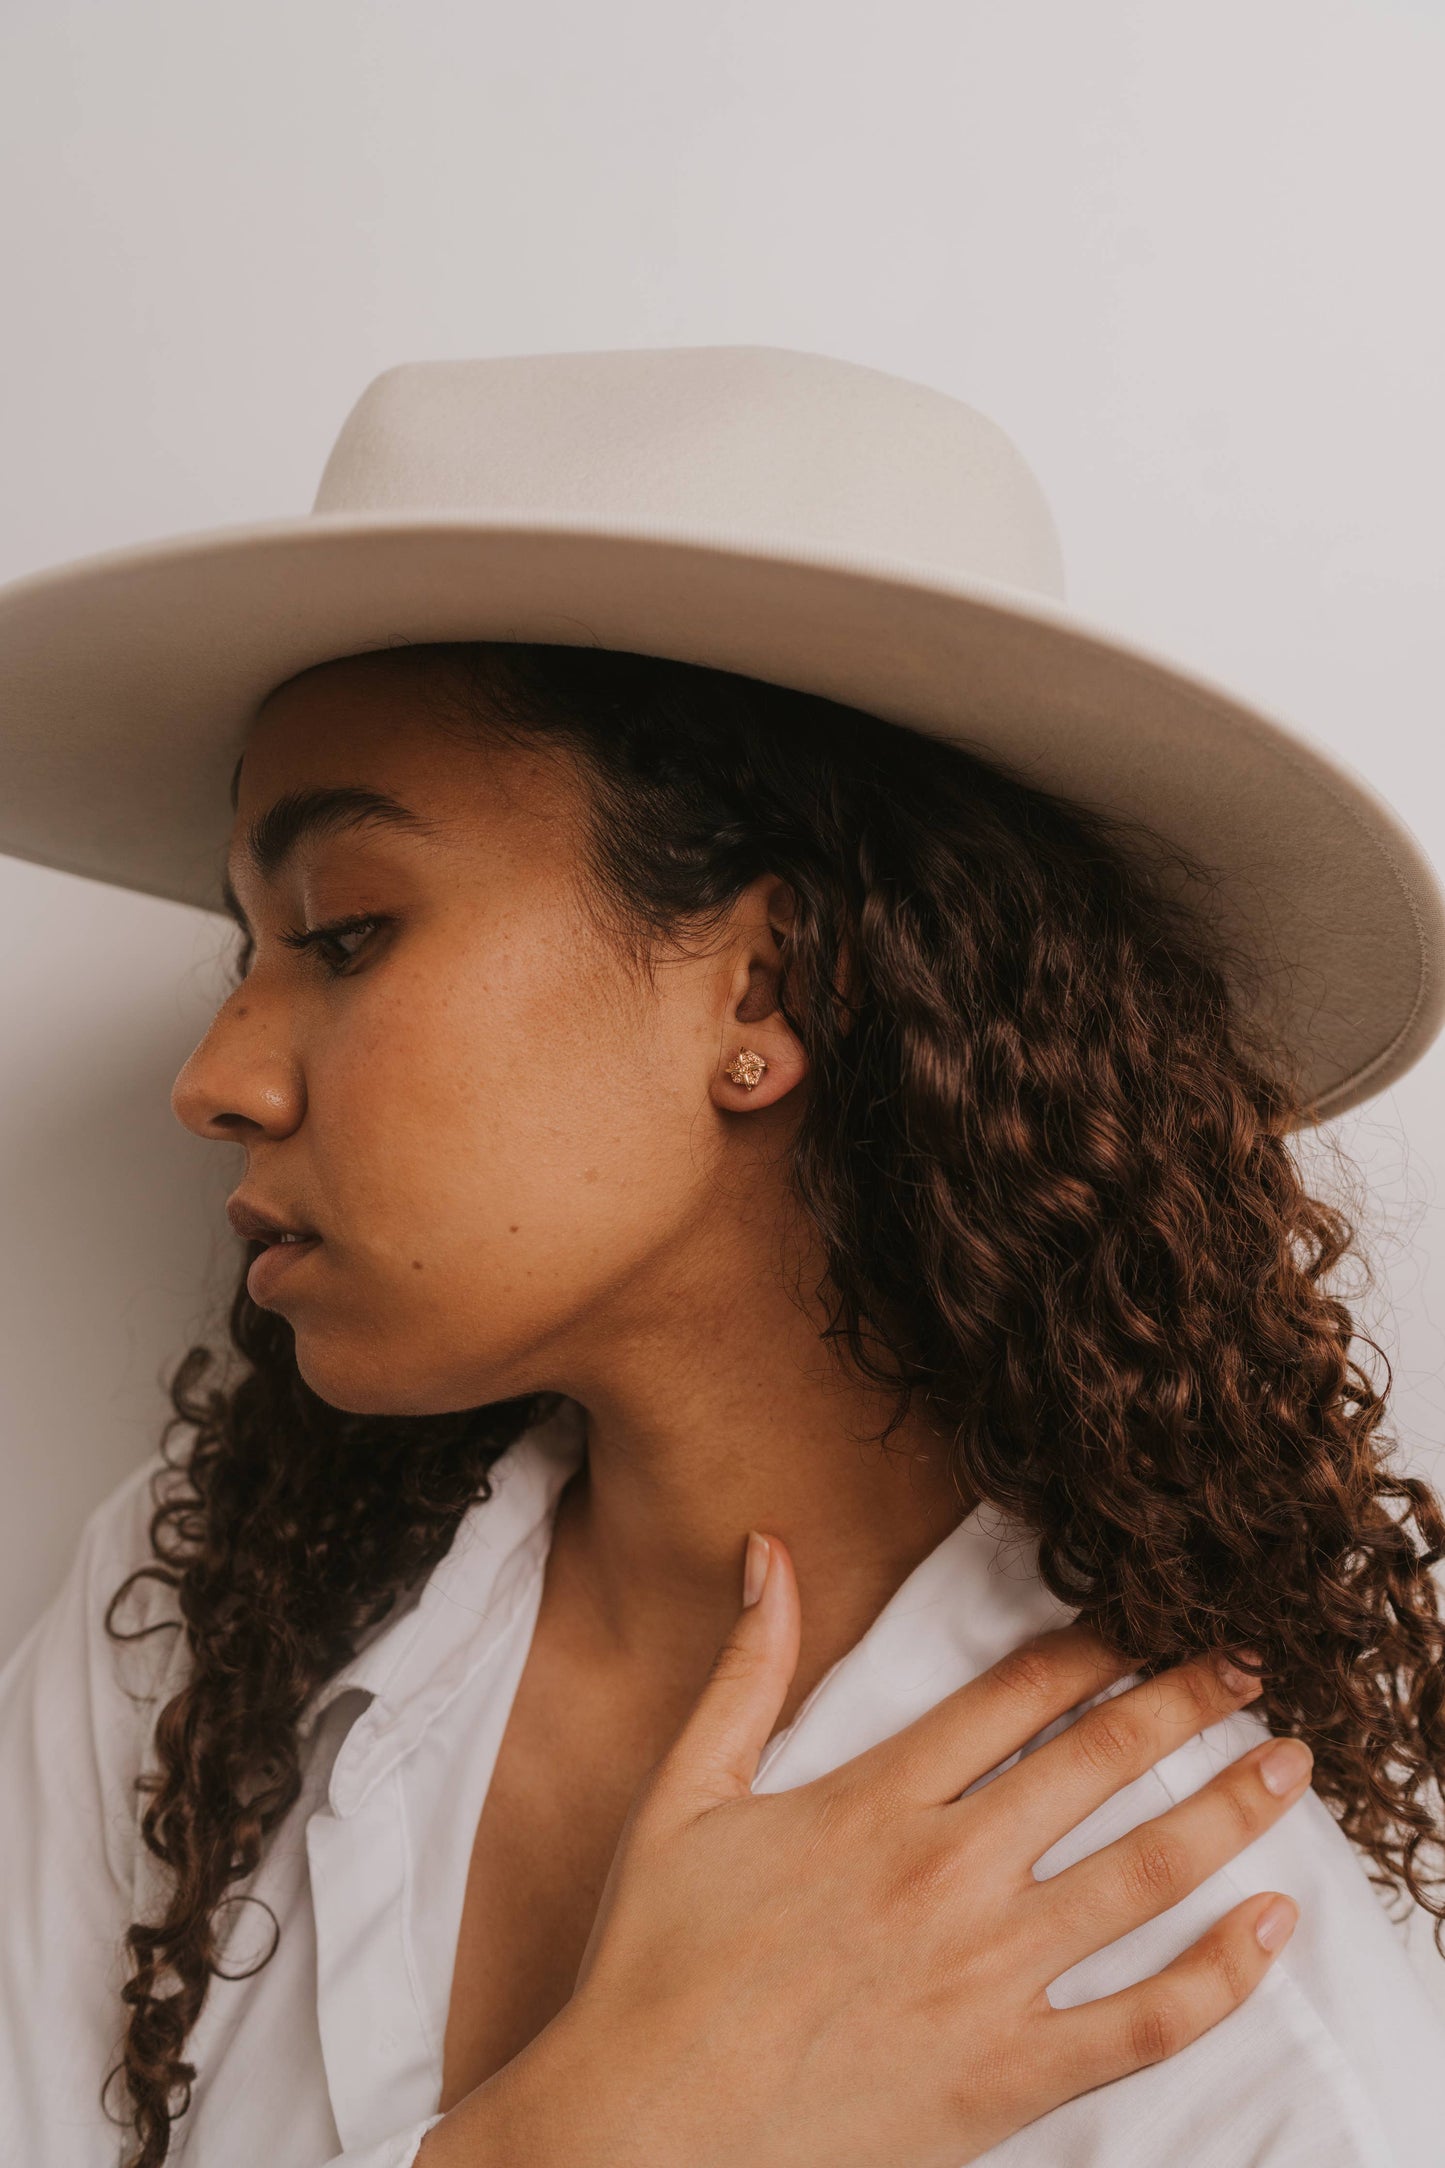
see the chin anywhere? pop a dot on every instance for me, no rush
(363, 1378)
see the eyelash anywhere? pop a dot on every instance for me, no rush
(316, 937)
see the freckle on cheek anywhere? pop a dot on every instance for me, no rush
(416, 1264)
(589, 1174)
(511, 1230)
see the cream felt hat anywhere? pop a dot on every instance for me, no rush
(788, 515)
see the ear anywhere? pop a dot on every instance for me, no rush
(753, 1022)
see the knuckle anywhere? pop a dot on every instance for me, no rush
(1156, 1871)
(1226, 1963)
(1202, 1687)
(731, 1662)
(1241, 1804)
(1106, 1740)
(1158, 2028)
(1025, 1673)
(926, 1874)
(961, 2102)
(918, 1880)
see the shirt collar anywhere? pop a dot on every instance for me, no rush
(975, 1596)
(420, 1655)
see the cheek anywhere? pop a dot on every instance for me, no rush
(503, 1160)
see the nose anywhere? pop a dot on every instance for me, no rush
(242, 1081)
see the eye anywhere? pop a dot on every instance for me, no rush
(326, 941)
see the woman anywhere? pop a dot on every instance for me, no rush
(736, 1111)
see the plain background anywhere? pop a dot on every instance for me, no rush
(1186, 256)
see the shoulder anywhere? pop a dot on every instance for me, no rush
(1335, 2052)
(115, 1543)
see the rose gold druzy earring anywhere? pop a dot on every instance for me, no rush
(746, 1068)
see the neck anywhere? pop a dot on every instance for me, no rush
(724, 1411)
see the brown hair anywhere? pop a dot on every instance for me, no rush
(1054, 1190)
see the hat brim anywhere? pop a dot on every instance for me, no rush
(128, 682)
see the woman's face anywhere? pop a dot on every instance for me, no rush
(508, 1143)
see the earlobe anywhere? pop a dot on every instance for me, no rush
(738, 1078)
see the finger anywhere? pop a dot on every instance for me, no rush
(1097, 2042)
(980, 1724)
(1053, 1788)
(1156, 1865)
(715, 1754)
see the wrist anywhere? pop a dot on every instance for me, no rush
(573, 2098)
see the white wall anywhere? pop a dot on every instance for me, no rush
(1187, 256)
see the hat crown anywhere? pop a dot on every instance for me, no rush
(783, 516)
(757, 444)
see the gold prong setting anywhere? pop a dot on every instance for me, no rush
(746, 1068)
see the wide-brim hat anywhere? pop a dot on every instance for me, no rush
(788, 515)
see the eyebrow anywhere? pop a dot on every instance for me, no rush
(321, 809)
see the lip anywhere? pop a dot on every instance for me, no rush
(253, 1223)
(275, 1263)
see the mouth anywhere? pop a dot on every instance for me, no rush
(253, 1223)
(285, 1244)
(277, 1262)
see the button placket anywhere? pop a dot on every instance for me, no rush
(379, 2063)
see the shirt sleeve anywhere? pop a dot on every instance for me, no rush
(73, 1718)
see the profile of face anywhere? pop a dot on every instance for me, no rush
(513, 1145)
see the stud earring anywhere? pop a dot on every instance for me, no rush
(746, 1068)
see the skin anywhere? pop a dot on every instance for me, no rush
(529, 1170)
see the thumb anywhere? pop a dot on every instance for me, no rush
(715, 1755)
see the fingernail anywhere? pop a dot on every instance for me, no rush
(1237, 1681)
(1285, 1767)
(1275, 1924)
(755, 1567)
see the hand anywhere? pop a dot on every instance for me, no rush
(852, 1972)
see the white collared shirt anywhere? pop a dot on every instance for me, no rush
(330, 2055)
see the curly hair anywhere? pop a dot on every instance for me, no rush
(1050, 1170)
